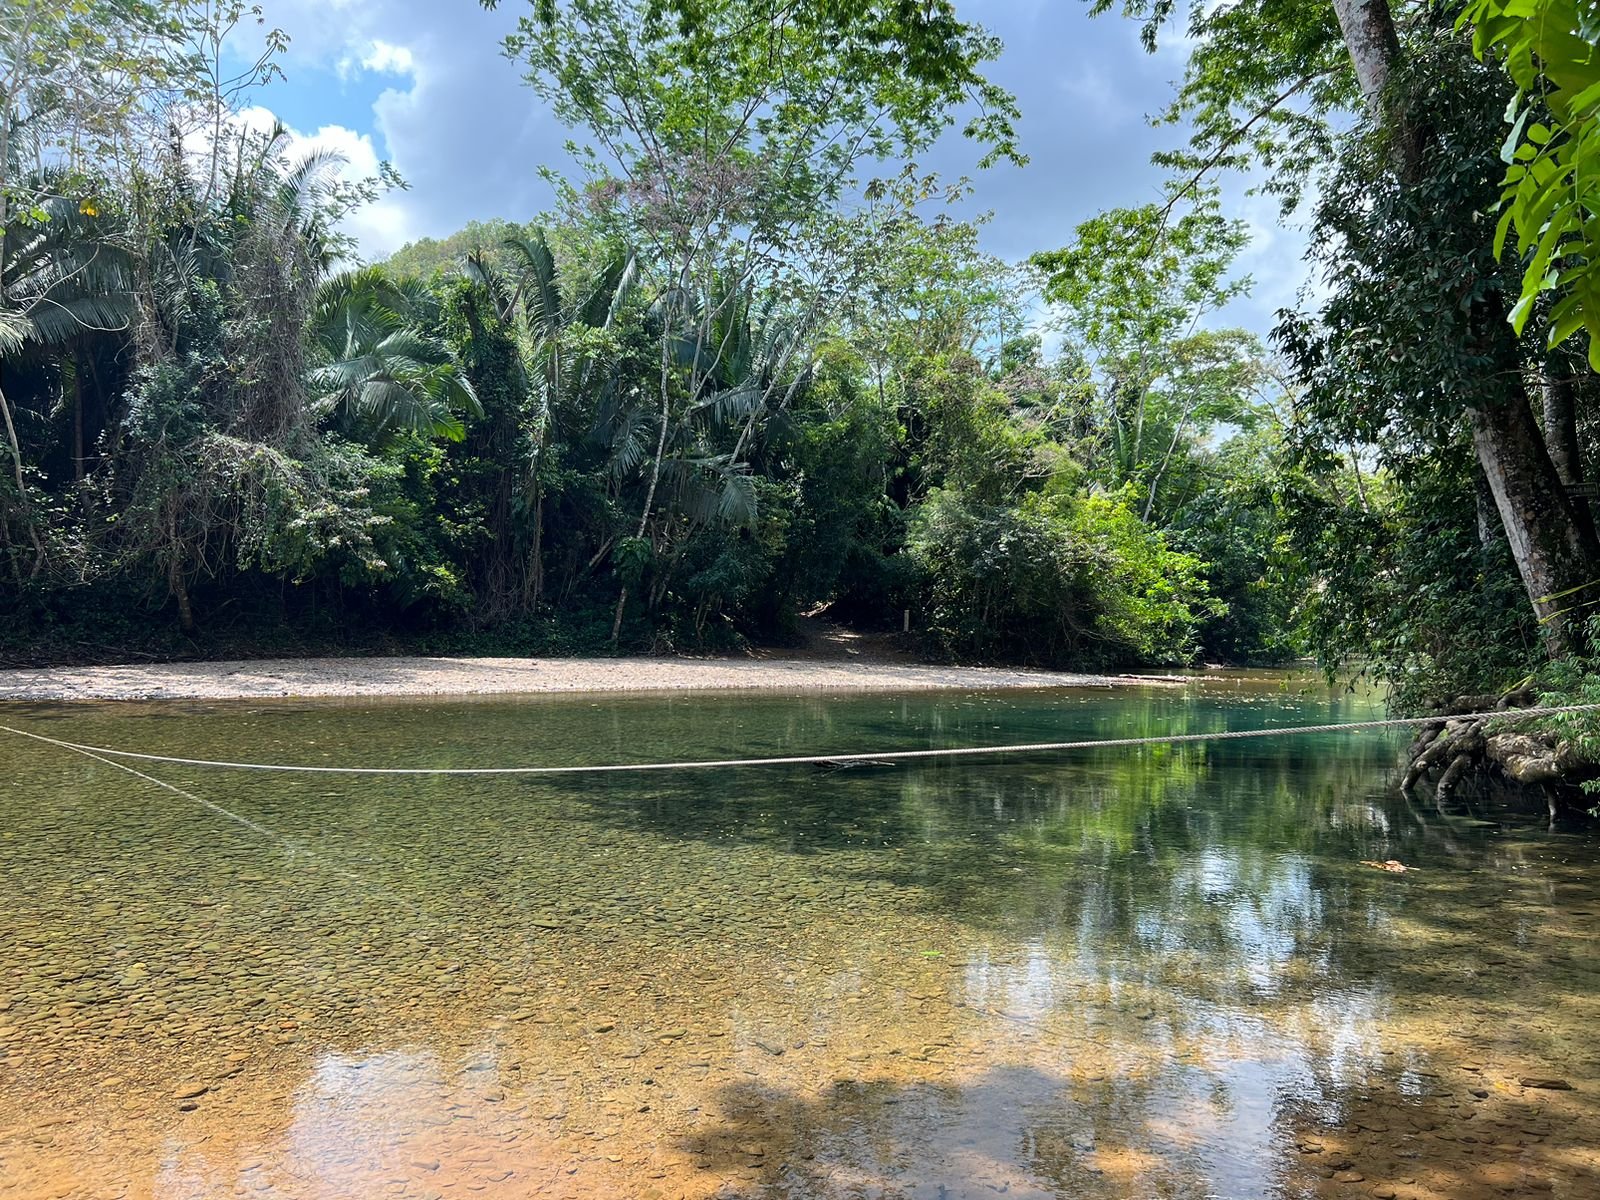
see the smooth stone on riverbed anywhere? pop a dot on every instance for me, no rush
(188, 1091)
(1548, 1085)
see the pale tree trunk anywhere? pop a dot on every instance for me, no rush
(655, 471)
(538, 547)
(1561, 436)
(12, 441)
(1369, 35)
(77, 423)
(1361, 485)
(1554, 557)
(15, 445)
(22, 486)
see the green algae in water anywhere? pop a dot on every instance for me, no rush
(1158, 971)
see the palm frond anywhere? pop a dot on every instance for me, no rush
(610, 292)
(56, 322)
(538, 282)
(14, 331)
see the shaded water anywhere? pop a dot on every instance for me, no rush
(1123, 973)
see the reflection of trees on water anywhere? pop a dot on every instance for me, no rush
(1214, 892)
(1029, 1131)
(1181, 939)
(1225, 870)
(1017, 1131)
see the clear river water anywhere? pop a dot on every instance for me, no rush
(1135, 973)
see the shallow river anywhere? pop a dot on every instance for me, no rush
(1158, 972)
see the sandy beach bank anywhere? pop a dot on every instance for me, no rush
(420, 676)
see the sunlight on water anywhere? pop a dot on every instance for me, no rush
(1125, 973)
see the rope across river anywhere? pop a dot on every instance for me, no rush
(871, 756)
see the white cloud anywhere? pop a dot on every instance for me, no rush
(389, 59)
(380, 227)
(447, 109)
(379, 57)
(452, 114)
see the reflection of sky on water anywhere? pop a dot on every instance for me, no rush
(1204, 1087)
(1092, 975)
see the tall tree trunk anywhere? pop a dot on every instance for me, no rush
(1555, 559)
(655, 478)
(1369, 35)
(538, 550)
(1491, 529)
(180, 593)
(1561, 427)
(1561, 437)
(77, 422)
(1361, 484)
(15, 446)
(1555, 556)
(616, 616)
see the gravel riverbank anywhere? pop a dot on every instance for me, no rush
(417, 676)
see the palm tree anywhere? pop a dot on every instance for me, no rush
(533, 297)
(530, 298)
(741, 366)
(61, 276)
(374, 370)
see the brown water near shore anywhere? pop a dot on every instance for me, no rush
(1161, 973)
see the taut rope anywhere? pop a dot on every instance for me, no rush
(1513, 714)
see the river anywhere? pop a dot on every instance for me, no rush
(1150, 972)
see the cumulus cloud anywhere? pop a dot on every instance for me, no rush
(422, 84)
(388, 59)
(440, 101)
(380, 227)
(381, 57)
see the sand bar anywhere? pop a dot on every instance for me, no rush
(419, 676)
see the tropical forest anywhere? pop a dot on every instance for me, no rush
(752, 367)
(1285, 419)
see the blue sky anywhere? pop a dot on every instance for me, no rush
(422, 83)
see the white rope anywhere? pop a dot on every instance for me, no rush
(1515, 714)
(200, 800)
(288, 847)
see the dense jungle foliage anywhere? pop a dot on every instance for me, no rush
(713, 391)
(752, 368)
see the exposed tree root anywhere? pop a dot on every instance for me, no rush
(1452, 749)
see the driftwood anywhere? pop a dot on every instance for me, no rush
(1425, 738)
